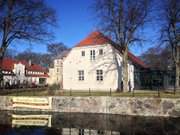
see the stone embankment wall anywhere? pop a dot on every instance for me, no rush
(110, 105)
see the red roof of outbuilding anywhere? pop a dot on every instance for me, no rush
(97, 38)
(136, 60)
(35, 67)
(8, 65)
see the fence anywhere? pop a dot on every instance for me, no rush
(48, 92)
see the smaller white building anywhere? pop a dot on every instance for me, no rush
(36, 74)
(55, 73)
(22, 72)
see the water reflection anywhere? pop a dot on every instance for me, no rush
(31, 120)
(25, 123)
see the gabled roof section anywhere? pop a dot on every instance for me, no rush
(7, 64)
(95, 38)
(35, 67)
(136, 60)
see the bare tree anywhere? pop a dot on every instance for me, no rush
(155, 57)
(43, 59)
(56, 48)
(10, 53)
(171, 32)
(27, 20)
(122, 19)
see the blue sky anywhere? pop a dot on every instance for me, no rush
(76, 20)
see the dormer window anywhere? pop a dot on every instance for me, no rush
(83, 53)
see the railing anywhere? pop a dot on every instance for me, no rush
(111, 93)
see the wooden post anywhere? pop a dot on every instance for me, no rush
(89, 92)
(133, 92)
(177, 66)
(70, 92)
(110, 92)
(174, 90)
(158, 92)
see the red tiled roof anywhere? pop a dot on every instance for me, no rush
(136, 60)
(35, 67)
(7, 64)
(97, 38)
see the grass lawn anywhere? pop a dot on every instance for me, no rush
(138, 93)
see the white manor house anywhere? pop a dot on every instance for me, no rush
(96, 63)
(23, 72)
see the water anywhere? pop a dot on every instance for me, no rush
(25, 123)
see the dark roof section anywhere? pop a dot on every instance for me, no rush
(97, 38)
(136, 60)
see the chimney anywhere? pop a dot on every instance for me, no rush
(30, 63)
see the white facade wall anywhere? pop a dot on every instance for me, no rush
(51, 78)
(110, 62)
(35, 80)
(55, 73)
(19, 70)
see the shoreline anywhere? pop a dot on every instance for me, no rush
(132, 106)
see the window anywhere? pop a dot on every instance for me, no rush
(100, 132)
(101, 52)
(57, 62)
(92, 55)
(57, 69)
(99, 75)
(81, 131)
(83, 53)
(19, 72)
(81, 75)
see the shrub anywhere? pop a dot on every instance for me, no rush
(54, 87)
